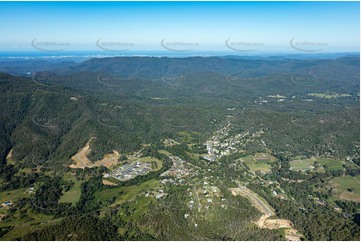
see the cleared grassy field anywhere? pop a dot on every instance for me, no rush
(346, 188)
(264, 157)
(136, 209)
(329, 95)
(132, 206)
(329, 164)
(248, 159)
(261, 167)
(302, 165)
(186, 137)
(195, 156)
(351, 165)
(123, 194)
(73, 195)
(165, 152)
(17, 217)
(259, 162)
(14, 195)
(170, 142)
(27, 225)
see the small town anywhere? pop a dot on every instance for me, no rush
(222, 144)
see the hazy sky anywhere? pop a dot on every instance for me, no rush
(264, 26)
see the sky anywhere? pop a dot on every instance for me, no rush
(180, 26)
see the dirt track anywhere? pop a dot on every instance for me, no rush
(256, 201)
(291, 234)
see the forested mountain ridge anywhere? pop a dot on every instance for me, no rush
(337, 71)
(161, 85)
(167, 88)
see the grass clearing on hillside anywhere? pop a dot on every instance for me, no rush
(164, 152)
(248, 159)
(331, 164)
(261, 167)
(187, 137)
(329, 95)
(264, 157)
(136, 209)
(14, 195)
(351, 165)
(346, 188)
(259, 162)
(302, 165)
(25, 221)
(123, 194)
(40, 220)
(170, 142)
(72, 195)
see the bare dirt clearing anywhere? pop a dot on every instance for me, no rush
(82, 160)
(9, 158)
(109, 183)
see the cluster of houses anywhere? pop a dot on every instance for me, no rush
(8, 204)
(157, 195)
(217, 149)
(179, 168)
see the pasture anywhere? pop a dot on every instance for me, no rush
(346, 188)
